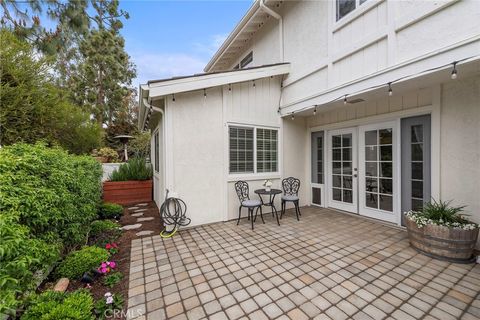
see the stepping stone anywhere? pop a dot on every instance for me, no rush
(142, 204)
(144, 233)
(145, 219)
(132, 226)
(141, 210)
(133, 208)
(137, 214)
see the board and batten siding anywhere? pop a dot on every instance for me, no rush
(251, 105)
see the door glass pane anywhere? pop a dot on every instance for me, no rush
(371, 200)
(417, 170)
(417, 133)
(371, 153)
(342, 156)
(417, 189)
(417, 152)
(386, 202)
(385, 136)
(337, 194)
(371, 138)
(379, 169)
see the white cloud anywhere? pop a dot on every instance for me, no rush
(152, 66)
(160, 65)
(210, 47)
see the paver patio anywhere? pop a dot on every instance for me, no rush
(328, 265)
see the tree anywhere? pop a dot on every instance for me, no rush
(104, 72)
(32, 107)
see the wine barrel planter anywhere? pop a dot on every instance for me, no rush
(450, 244)
(127, 192)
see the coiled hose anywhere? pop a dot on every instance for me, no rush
(173, 211)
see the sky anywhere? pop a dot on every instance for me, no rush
(174, 38)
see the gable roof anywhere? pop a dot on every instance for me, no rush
(251, 22)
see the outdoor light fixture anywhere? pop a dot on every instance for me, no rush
(390, 91)
(345, 100)
(454, 71)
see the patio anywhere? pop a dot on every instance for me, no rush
(329, 265)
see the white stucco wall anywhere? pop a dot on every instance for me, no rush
(460, 144)
(195, 159)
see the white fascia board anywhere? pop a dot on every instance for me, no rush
(215, 79)
(233, 35)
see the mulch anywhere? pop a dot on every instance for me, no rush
(122, 258)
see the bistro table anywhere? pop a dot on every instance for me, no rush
(271, 193)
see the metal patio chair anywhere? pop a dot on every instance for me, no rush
(290, 186)
(242, 189)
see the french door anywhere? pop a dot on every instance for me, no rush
(378, 171)
(342, 169)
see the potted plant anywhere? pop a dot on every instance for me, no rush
(441, 231)
(130, 183)
(268, 185)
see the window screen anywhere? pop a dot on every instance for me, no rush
(247, 60)
(241, 150)
(267, 144)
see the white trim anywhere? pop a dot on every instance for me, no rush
(353, 207)
(252, 175)
(393, 216)
(360, 9)
(209, 80)
(406, 21)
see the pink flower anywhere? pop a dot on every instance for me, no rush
(108, 246)
(113, 264)
(103, 270)
(103, 265)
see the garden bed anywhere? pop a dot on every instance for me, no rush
(122, 258)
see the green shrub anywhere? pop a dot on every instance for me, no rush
(112, 279)
(46, 198)
(51, 192)
(134, 169)
(103, 232)
(110, 211)
(108, 153)
(20, 256)
(83, 260)
(52, 305)
(139, 146)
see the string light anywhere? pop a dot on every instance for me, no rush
(173, 97)
(254, 83)
(454, 71)
(230, 87)
(315, 110)
(293, 116)
(454, 76)
(205, 93)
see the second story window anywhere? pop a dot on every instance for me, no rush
(344, 7)
(247, 61)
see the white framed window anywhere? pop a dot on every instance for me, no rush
(156, 148)
(344, 7)
(253, 150)
(247, 60)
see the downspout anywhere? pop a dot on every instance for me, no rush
(280, 25)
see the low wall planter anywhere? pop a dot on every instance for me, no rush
(440, 242)
(127, 192)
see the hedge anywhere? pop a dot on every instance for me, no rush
(47, 197)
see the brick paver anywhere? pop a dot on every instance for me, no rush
(328, 265)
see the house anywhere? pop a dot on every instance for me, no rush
(373, 105)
